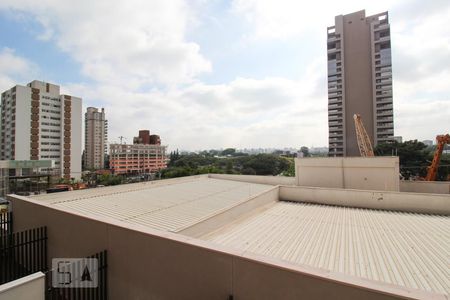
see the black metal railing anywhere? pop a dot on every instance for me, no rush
(6, 223)
(22, 253)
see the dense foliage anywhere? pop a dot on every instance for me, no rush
(415, 157)
(228, 161)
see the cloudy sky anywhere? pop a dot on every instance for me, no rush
(210, 74)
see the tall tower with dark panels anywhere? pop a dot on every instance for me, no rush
(359, 80)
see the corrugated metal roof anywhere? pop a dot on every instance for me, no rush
(167, 207)
(411, 250)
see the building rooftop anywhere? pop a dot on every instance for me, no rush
(405, 249)
(166, 205)
(397, 248)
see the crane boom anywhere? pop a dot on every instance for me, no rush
(364, 144)
(441, 140)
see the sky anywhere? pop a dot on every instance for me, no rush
(216, 74)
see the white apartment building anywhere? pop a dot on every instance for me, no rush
(95, 138)
(37, 122)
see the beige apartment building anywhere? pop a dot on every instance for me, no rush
(95, 138)
(40, 123)
(359, 80)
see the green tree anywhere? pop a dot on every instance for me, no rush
(413, 156)
(173, 157)
(248, 171)
(291, 169)
(109, 179)
(305, 151)
(229, 168)
(228, 151)
(267, 164)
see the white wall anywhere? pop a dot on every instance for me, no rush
(28, 287)
(365, 173)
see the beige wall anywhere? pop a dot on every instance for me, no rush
(364, 173)
(151, 264)
(434, 187)
(398, 201)
(358, 78)
(29, 287)
(273, 180)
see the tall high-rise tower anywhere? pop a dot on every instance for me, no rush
(37, 122)
(359, 80)
(96, 135)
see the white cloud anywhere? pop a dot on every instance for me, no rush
(14, 68)
(421, 50)
(131, 49)
(129, 43)
(284, 19)
(243, 113)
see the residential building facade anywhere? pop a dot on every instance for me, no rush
(95, 138)
(145, 155)
(39, 123)
(359, 80)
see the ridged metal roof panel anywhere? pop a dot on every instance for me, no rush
(406, 249)
(168, 207)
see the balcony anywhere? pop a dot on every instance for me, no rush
(383, 39)
(382, 99)
(337, 136)
(387, 93)
(385, 125)
(335, 123)
(335, 112)
(337, 128)
(333, 88)
(335, 94)
(334, 101)
(385, 139)
(380, 27)
(336, 105)
(332, 140)
(335, 118)
(332, 50)
(384, 119)
(384, 106)
(384, 87)
(384, 112)
(385, 131)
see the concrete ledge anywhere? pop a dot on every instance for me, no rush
(28, 287)
(364, 173)
(230, 214)
(434, 187)
(397, 201)
(273, 180)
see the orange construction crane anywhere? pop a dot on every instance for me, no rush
(441, 140)
(364, 144)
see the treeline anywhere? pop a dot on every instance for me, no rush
(229, 162)
(415, 158)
